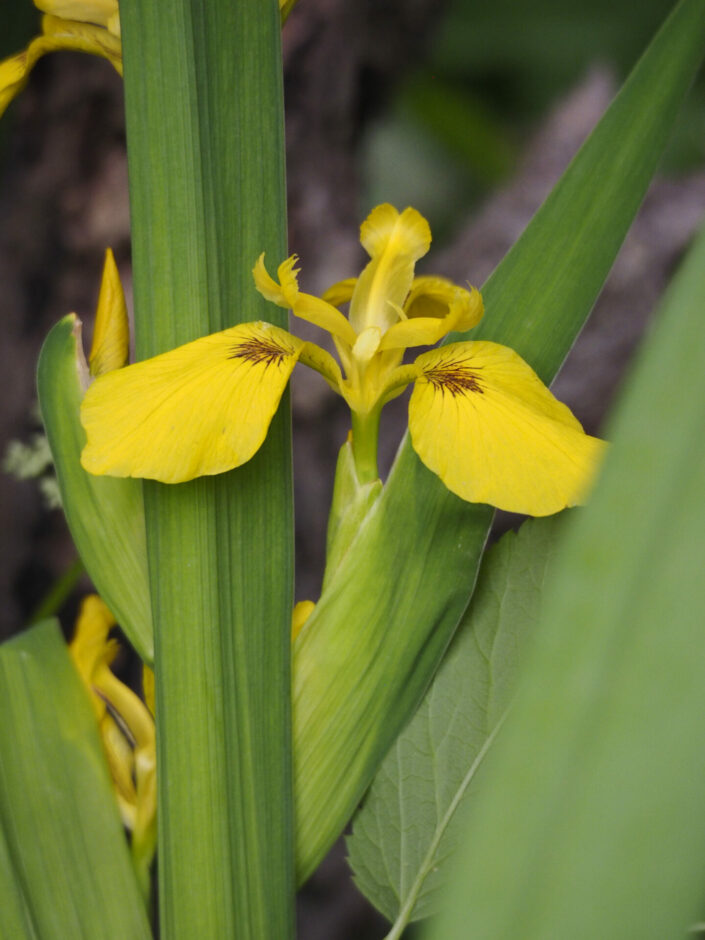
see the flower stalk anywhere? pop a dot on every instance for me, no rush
(365, 432)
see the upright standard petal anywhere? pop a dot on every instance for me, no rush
(201, 409)
(395, 242)
(481, 419)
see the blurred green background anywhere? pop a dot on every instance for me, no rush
(457, 124)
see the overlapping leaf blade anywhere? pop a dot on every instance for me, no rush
(65, 864)
(591, 819)
(410, 822)
(409, 575)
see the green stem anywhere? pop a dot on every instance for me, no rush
(58, 592)
(206, 166)
(365, 434)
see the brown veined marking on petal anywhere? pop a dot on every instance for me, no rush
(259, 350)
(455, 378)
(117, 717)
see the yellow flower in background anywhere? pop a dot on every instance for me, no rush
(111, 331)
(81, 25)
(126, 728)
(91, 26)
(479, 417)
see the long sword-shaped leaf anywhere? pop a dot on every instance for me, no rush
(205, 149)
(404, 838)
(61, 836)
(591, 820)
(407, 578)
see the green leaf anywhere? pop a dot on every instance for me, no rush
(64, 859)
(369, 649)
(203, 97)
(406, 833)
(590, 821)
(105, 514)
(15, 916)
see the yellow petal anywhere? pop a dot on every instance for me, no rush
(340, 292)
(317, 311)
(305, 306)
(59, 33)
(366, 345)
(285, 8)
(148, 689)
(90, 648)
(431, 316)
(111, 333)
(13, 77)
(316, 358)
(284, 293)
(432, 296)
(201, 409)
(394, 242)
(481, 419)
(88, 11)
(302, 611)
(121, 762)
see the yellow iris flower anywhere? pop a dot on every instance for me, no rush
(126, 728)
(82, 25)
(479, 416)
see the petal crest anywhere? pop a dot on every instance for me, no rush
(481, 419)
(305, 306)
(201, 409)
(284, 293)
(431, 315)
(432, 296)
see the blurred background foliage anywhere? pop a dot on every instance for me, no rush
(457, 122)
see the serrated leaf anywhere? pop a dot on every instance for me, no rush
(408, 825)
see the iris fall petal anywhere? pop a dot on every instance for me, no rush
(200, 409)
(481, 419)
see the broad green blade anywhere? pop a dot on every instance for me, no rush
(15, 916)
(376, 637)
(590, 821)
(105, 514)
(404, 838)
(60, 830)
(206, 165)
